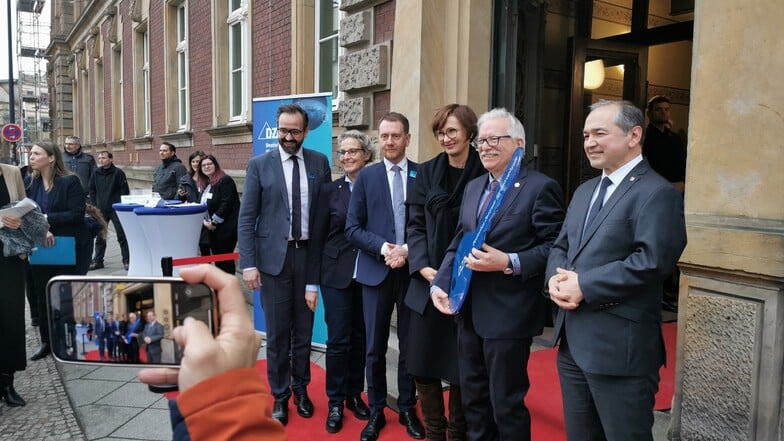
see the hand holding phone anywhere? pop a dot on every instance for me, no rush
(204, 356)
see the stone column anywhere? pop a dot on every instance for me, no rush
(441, 55)
(731, 319)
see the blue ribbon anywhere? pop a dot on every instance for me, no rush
(461, 274)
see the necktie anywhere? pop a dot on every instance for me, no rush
(296, 202)
(398, 206)
(597, 204)
(493, 186)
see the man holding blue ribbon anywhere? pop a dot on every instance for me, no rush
(493, 274)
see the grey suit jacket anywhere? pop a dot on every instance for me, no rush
(155, 332)
(264, 220)
(631, 247)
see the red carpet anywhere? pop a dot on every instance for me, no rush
(544, 398)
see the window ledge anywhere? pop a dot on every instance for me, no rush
(117, 146)
(142, 143)
(182, 139)
(231, 134)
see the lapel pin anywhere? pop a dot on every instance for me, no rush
(632, 179)
(517, 185)
(412, 174)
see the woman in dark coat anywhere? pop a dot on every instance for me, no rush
(61, 197)
(12, 316)
(342, 294)
(223, 209)
(188, 190)
(434, 206)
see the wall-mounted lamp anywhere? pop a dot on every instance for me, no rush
(594, 74)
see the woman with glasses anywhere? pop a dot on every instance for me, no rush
(434, 206)
(342, 294)
(223, 209)
(188, 189)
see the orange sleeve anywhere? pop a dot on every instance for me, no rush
(233, 406)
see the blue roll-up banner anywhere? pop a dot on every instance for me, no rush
(265, 138)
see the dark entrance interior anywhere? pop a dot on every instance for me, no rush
(552, 59)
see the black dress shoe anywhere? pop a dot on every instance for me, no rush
(414, 427)
(280, 411)
(335, 419)
(304, 405)
(358, 407)
(42, 352)
(373, 427)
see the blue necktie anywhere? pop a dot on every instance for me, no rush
(398, 206)
(296, 201)
(597, 204)
(493, 186)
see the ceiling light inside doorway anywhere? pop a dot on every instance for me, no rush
(594, 74)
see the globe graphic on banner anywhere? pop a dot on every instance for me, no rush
(317, 111)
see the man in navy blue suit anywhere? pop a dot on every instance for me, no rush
(375, 223)
(504, 307)
(623, 235)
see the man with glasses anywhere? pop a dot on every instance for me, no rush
(504, 308)
(166, 176)
(275, 220)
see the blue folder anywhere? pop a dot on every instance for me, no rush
(63, 252)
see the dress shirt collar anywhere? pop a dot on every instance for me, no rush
(403, 164)
(285, 156)
(619, 175)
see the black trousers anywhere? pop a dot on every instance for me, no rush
(345, 358)
(289, 326)
(100, 242)
(378, 303)
(494, 382)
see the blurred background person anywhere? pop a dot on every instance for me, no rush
(112, 332)
(107, 186)
(345, 359)
(61, 197)
(78, 162)
(434, 207)
(12, 316)
(122, 347)
(188, 189)
(223, 208)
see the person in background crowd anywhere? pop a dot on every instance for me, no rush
(623, 234)
(166, 176)
(100, 334)
(80, 163)
(434, 206)
(504, 307)
(61, 197)
(112, 333)
(122, 347)
(223, 208)
(382, 269)
(12, 317)
(189, 190)
(342, 294)
(276, 217)
(107, 186)
(131, 337)
(222, 396)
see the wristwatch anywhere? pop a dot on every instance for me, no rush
(509, 268)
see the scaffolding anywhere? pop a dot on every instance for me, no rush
(33, 93)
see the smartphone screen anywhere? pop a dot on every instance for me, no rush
(124, 320)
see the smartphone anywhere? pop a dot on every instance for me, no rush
(124, 320)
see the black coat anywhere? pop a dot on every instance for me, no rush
(107, 185)
(225, 204)
(337, 256)
(433, 209)
(65, 211)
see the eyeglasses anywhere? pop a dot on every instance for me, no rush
(450, 133)
(294, 132)
(350, 152)
(492, 141)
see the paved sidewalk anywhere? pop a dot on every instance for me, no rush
(79, 402)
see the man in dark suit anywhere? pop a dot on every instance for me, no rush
(375, 223)
(275, 219)
(153, 333)
(504, 308)
(623, 234)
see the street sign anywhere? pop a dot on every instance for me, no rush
(12, 132)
